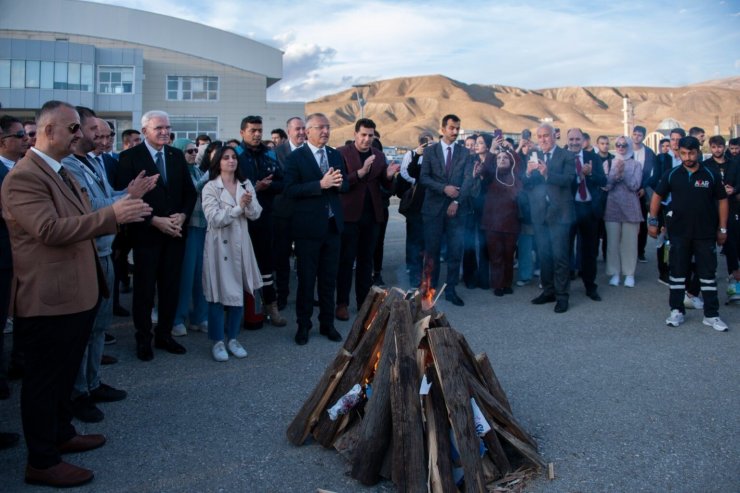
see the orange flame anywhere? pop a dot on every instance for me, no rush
(426, 289)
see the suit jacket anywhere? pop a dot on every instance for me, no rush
(177, 196)
(310, 201)
(255, 166)
(551, 200)
(353, 201)
(594, 182)
(55, 262)
(647, 167)
(434, 178)
(6, 258)
(282, 205)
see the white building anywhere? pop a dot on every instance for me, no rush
(123, 62)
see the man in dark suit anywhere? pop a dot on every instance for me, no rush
(283, 211)
(57, 286)
(314, 177)
(590, 177)
(447, 176)
(548, 184)
(158, 243)
(363, 207)
(646, 157)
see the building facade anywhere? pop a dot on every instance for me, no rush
(123, 62)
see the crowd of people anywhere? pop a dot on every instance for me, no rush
(211, 228)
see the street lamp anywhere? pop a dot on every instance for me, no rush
(360, 100)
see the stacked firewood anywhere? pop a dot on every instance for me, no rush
(408, 400)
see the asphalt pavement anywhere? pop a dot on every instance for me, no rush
(616, 400)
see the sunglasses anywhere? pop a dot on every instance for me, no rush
(192, 151)
(73, 127)
(621, 146)
(31, 134)
(18, 135)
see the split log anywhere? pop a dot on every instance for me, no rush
(365, 315)
(310, 412)
(491, 381)
(409, 466)
(438, 438)
(360, 368)
(375, 431)
(496, 451)
(525, 449)
(453, 379)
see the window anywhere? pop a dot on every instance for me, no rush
(189, 88)
(17, 74)
(115, 80)
(60, 75)
(189, 127)
(4, 74)
(33, 72)
(47, 75)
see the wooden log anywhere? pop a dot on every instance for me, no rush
(312, 408)
(365, 314)
(497, 411)
(496, 451)
(346, 443)
(359, 369)
(524, 448)
(409, 465)
(491, 381)
(375, 431)
(453, 379)
(440, 478)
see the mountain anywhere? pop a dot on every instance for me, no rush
(405, 106)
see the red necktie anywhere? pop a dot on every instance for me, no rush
(582, 185)
(448, 160)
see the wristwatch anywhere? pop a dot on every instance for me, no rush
(652, 221)
(723, 231)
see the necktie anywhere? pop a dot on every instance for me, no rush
(582, 181)
(160, 167)
(68, 181)
(547, 158)
(448, 160)
(323, 163)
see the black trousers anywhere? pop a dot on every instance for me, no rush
(679, 263)
(121, 247)
(554, 256)
(53, 348)
(586, 228)
(318, 263)
(358, 247)
(414, 247)
(732, 245)
(475, 261)
(453, 229)
(260, 232)
(282, 247)
(6, 276)
(380, 244)
(156, 268)
(642, 234)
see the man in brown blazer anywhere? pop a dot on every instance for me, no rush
(56, 287)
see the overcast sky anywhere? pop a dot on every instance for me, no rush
(330, 45)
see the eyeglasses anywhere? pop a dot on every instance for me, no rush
(20, 134)
(191, 151)
(621, 146)
(73, 127)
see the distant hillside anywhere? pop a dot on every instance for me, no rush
(404, 106)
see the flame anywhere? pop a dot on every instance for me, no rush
(426, 289)
(370, 377)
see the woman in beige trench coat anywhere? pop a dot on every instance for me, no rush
(229, 265)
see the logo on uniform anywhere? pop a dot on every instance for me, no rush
(701, 184)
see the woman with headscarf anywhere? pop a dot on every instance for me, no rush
(622, 216)
(191, 288)
(500, 219)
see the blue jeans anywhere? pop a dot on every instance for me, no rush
(216, 321)
(191, 282)
(525, 247)
(88, 376)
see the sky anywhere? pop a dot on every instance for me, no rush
(330, 45)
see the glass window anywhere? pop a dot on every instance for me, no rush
(190, 127)
(47, 75)
(192, 88)
(4, 74)
(60, 75)
(18, 74)
(115, 80)
(33, 73)
(86, 77)
(73, 76)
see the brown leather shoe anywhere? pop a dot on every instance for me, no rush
(81, 443)
(62, 475)
(342, 313)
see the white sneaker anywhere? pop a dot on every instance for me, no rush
(219, 352)
(614, 281)
(237, 349)
(675, 319)
(693, 302)
(716, 323)
(629, 282)
(179, 330)
(201, 327)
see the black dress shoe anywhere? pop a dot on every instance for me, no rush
(301, 336)
(594, 295)
(471, 284)
(120, 311)
(169, 345)
(106, 393)
(544, 298)
(331, 333)
(453, 298)
(561, 306)
(498, 292)
(144, 351)
(8, 439)
(84, 409)
(110, 339)
(107, 359)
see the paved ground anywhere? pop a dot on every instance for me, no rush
(617, 401)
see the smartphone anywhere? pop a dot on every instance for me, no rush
(424, 141)
(498, 134)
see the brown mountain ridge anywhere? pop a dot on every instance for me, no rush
(405, 106)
